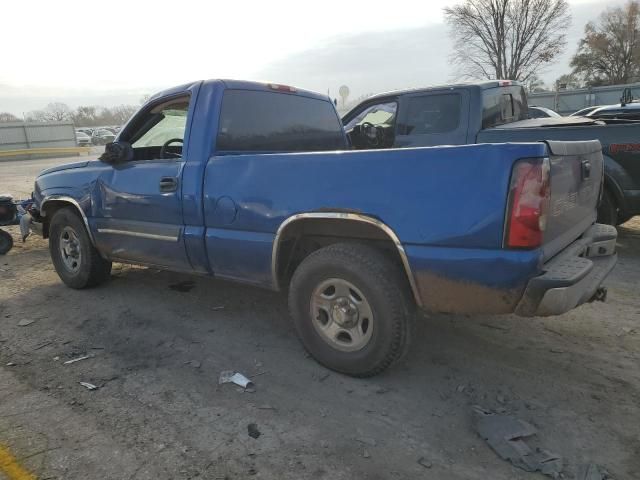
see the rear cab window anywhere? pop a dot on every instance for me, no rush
(431, 114)
(438, 117)
(264, 121)
(502, 105)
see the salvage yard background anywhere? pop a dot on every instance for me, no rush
(158, 341)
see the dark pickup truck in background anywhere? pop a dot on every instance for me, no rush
(496, 112)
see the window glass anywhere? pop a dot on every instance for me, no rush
(431, 114)
(503, 105)
(261, 121)
(379, 114)
(163, 123)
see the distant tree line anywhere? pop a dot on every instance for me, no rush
(83, 116)
(516, 39)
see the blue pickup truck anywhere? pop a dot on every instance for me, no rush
(255, 183)
(496, 111)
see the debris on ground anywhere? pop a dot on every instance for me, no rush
(219, 307)
(495, 327)
(78, 359)
(193, 363)
(252, 430)
(229, 376)
(183, 287)
(593, 472)
(506, 435)
(366, 454)
(11, 364)
(424, 462)
(88, 386)
(323, 377)
(42, 345)
(25, 321)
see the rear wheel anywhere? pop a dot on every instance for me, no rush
(608, 209)
(6, 242)
(351, 309)
(74, 257)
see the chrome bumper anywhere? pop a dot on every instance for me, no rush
(572, 277)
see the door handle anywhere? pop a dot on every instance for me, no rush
(586, 169)
(168, 184)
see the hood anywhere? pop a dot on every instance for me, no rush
(66, 166)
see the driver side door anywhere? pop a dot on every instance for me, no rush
(138, 203)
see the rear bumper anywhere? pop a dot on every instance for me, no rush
(573, 276)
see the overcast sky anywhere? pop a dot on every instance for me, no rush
(115, 51)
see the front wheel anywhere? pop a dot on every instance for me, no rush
(78, 263)
(351, 309)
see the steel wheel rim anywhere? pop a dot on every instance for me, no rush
(70, 250)
(342, 315)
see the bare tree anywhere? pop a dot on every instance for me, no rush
(85, 116)
(507, 39)
(6, 117)
(57, 112)
(609, 53)
(53, 112)
(122, 113)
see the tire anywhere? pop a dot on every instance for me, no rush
(77, 262)
(6, 242)
(608, 210)
(324, 291)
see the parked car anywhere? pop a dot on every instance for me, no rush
(541, 112)
(102, 136)
(261, 189)
(496, 111)
(584, 111)
(82, 139)
(629, 111)
(86, 130)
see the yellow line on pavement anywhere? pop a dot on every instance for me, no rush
(43, 151)
(11, 468)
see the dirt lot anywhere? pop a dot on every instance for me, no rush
(160, 414)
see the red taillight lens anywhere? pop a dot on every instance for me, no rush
(528, 203)
(282, 88)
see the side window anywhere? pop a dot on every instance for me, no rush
(262, 121)
(159, 131)
(381, 114)
(431, 114)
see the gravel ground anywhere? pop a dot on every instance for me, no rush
(159, 413)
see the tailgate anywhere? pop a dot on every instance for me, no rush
(576, 178)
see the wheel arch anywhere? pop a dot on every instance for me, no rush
(360, 228)
(52, 203)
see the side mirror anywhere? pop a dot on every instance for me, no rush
(117, 152)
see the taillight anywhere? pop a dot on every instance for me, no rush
(282, 88)
(528, 203)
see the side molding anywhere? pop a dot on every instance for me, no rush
(349, 217)
(74, 202)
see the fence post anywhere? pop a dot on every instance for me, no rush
(26, 135)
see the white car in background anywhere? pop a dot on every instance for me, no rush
(82, 139)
